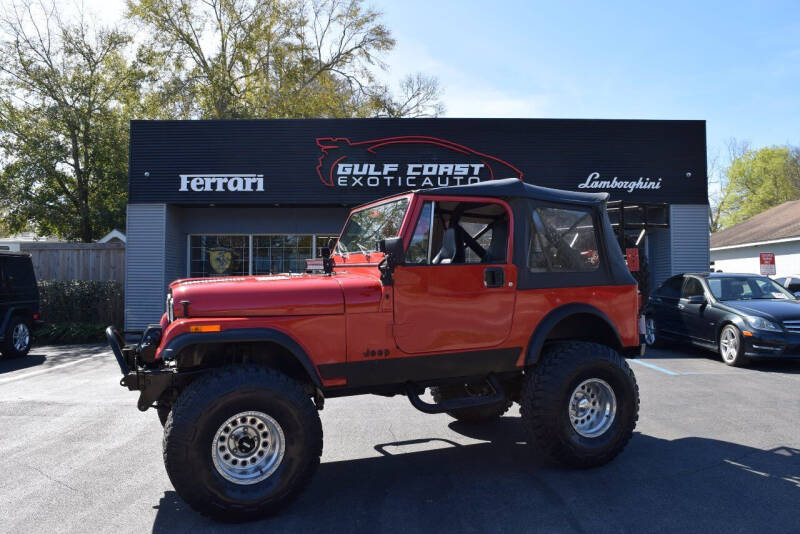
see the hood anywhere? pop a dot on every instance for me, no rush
(773, 309)
(270, 295)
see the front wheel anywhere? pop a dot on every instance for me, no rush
(651, 336)
(241, 442)
(731, 346)
(580, 404)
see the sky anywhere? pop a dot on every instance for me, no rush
(734, 64)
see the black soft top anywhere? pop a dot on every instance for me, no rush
(515, 188)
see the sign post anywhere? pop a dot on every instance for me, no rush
(767, 263)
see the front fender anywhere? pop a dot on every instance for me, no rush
(243, 335)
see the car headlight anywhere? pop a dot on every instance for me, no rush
(762, 324)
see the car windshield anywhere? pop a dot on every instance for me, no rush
(746, 288)
(366, 227)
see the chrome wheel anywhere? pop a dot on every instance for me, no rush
(592, 407)
(650, 331)
(21, 337)
(248, 447)
(729, 344)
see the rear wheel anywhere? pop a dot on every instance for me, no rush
(580, 404)
(17, 338)
(241, 442)
(474, 414)
(731, 346)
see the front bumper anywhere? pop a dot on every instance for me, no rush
(151, 382)
(767, 344)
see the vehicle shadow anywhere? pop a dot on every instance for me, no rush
(764, 365)
(17, 364)
(52, 355)
(499, 485)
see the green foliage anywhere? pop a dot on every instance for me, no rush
(758, 180)
(69, 333)
(82, 301)
(63, 125)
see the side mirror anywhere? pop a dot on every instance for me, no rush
(394, 255)
(696, 299)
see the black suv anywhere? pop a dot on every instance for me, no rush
(19, 304)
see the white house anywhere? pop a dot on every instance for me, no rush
(738, 248)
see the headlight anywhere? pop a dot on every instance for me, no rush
(762, 324)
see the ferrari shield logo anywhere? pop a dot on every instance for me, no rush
(220, 259)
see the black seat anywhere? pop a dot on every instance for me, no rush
(448, 250)
(499, 244)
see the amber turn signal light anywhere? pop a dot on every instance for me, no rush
(204, 328)
(747, 333)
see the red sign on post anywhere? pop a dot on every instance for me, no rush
(767, 263)
(632, 257)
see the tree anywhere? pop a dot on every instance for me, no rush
(720, 195)
(272, 59)
(758, 180)
(63, 127)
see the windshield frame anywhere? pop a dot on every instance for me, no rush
(780, 289)
(341, 251)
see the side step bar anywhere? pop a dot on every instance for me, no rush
(413, 391)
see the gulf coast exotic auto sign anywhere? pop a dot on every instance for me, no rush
(349, 161)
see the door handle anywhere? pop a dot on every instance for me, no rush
(681, 306)
(494, 277)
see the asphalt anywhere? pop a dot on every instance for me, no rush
(716, 450)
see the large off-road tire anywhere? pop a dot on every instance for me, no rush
(237, 416)
(475, 414)
(731, 346)
(163, 409)
(17, 339)
(580, 404)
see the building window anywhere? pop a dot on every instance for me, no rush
(281, 253)
(230, 255)
(219, 255)
(323, 241)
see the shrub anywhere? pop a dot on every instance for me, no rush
(77, 311)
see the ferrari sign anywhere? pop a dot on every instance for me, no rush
(767, 263)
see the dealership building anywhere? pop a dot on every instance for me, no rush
(242, 197)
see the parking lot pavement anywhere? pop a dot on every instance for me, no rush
(716, 449)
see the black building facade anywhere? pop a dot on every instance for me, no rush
(271, 191)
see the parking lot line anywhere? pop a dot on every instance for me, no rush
(654, 367)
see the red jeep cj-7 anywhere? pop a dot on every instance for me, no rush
(488, 294)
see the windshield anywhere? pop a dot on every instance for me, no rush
(746, 288)
(365, 227)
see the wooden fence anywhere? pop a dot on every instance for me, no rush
(77, 261)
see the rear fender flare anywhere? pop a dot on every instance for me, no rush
(550, 320)
(244, 335)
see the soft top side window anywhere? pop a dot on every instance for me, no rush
(452, 232)
(562, 240)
